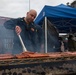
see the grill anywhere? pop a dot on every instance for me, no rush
(64, 65)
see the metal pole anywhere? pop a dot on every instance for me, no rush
(29, 4)
(45, 34)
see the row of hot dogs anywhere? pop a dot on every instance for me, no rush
(37, 55)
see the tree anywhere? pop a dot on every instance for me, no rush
(73, 4)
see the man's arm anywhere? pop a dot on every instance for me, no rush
(10, 24)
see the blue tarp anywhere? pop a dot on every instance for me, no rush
(62, 16)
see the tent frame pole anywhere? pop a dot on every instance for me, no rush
(45, 34)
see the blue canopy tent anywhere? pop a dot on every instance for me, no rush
(62, 16)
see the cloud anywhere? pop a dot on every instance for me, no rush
(18, 8)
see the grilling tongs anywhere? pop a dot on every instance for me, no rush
(23, 46)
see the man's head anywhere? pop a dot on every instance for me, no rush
(30, 16)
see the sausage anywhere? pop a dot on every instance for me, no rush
(6, 56)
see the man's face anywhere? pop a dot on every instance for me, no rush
(31, 16)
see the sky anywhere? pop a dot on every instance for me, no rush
(19, 8)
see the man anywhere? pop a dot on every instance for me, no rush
(30, 33)
(71, 43)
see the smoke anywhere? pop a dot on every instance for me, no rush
(52, 37)
(6, 37)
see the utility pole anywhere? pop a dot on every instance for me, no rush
(29, 4)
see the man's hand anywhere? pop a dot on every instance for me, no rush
(18, 30)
